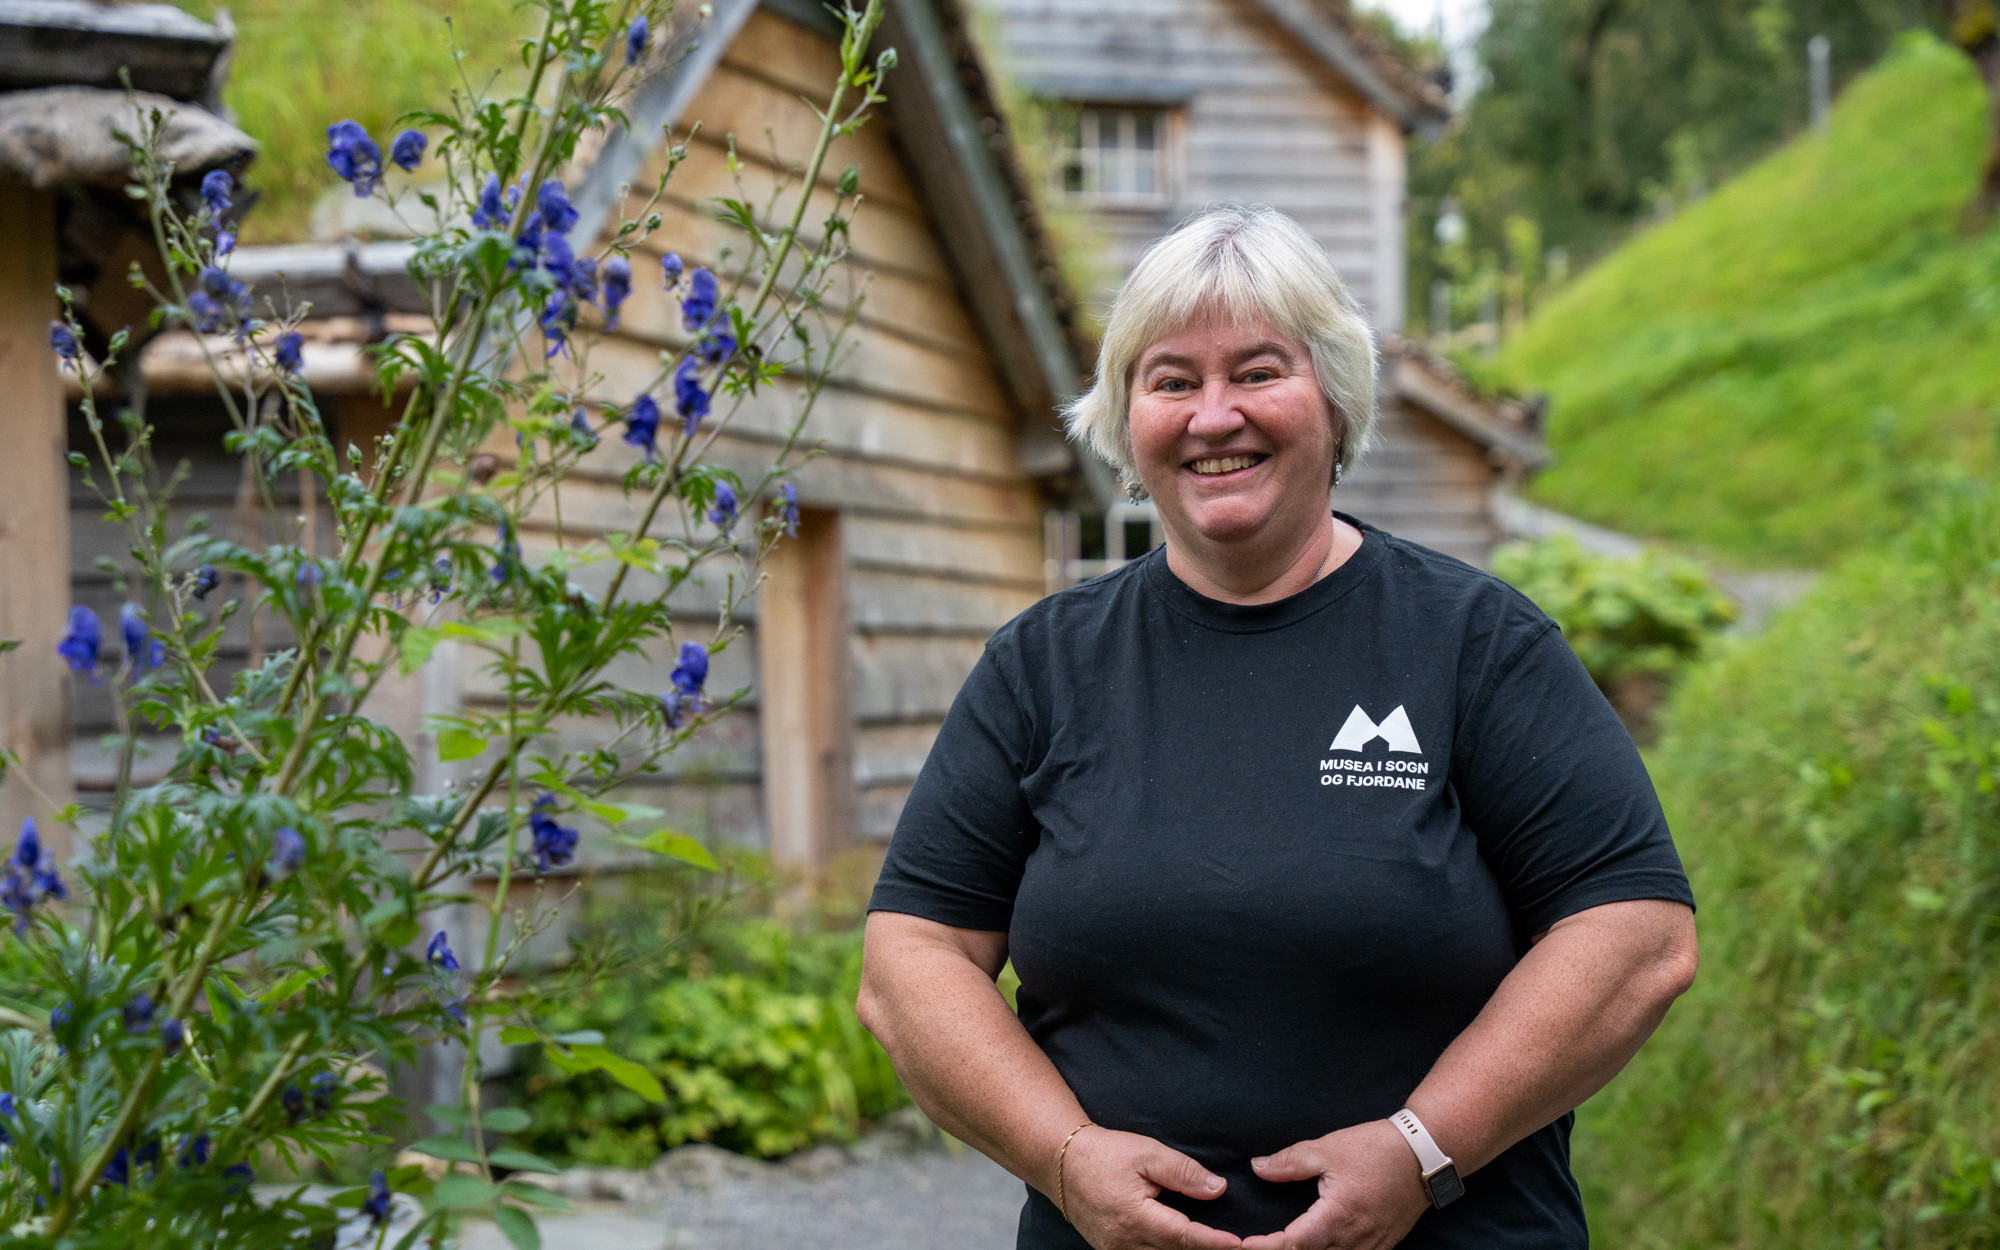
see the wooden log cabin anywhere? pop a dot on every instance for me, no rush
(922, 519)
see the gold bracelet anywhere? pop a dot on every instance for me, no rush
(1061, 1206)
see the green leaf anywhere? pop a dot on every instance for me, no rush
(415, 647)
(455, 1149)
(459, 744)
(535, 1195)
(506, 1119)
(463, 1193)
(446, 1113)
(8, 644)
(289, 986)
(623, 1071)
(521, 1161)
(682, 847)
(519, 1227)
(515, 1035)
(387, 909)
(582, 1037)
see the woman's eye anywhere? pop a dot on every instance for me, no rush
(1174, 386)
(1259, 375)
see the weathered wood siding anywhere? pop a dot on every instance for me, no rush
(940, 528)
(1264, 122)
(1426, 482)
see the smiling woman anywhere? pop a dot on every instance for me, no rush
(1330, 878)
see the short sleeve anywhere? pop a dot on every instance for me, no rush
(966, 832)
(1551, 785)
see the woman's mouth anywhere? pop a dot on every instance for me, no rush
(1217, 466)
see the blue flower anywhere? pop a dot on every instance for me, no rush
(62, 341)
(788, 509)
(142, 650)
(80, 645)
(237, 1176)
(579, 425)
(557, 258)
(699, 306)
(555, 845)
(28, 851)
(173, 1035)
(376, 1205)
(119, 1170)
(583, 279)
(490, 214)
(439, 952)
(215, 191)
(354, 156)
(716, 348)
(671, 266)
(288, 853)
(225, 242)
(59, 1016)
(206, 311)
(194, 1151)
(206, 579)
(552, 202)
(214, 281)
(690, 400)
(635, 39)
(308, 577)
(407, 149)
(293, 1100)
(642, 424)
(139, 1014)
(288, 353)
(724, 511)
(6, 1111)
(557, 320)
(323, 1090)
(670, 708)
(692, 672)
(510, 552)
(617, 287)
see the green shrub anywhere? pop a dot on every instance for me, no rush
(1834, 1077)
(1650, 614)
(752, 1033)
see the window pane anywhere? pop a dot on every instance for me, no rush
(1143, 130)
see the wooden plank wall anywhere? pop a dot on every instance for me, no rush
(1265, 123)
(1425, 482)
(941, 530)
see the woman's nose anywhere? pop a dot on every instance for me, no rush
(1216, 415)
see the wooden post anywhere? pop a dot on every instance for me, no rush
(804, 705)
(34, 519)
(1387, 166)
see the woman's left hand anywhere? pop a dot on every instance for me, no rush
(1370, 1192)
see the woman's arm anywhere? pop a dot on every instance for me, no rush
(928, 994)
(1570, 1015)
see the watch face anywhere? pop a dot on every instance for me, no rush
(1445, 1186)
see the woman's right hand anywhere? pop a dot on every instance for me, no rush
(1111, 1186)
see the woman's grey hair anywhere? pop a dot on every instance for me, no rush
(1235, 266)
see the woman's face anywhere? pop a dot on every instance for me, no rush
(1231, 433)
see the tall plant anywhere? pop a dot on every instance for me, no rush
(247, 944)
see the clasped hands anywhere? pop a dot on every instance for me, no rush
(1370, 1193)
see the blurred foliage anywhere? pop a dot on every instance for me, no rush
(1776, 374)
(1833, 1079)
(750, 1026)
(1590, 115)
(298, 67)
(1649, 614)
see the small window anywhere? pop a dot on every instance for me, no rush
(1114, 157)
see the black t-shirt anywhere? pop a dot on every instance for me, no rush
(1258, 866)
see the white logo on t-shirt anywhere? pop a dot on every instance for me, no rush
(1359, 731)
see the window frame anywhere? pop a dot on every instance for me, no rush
(1085, 153)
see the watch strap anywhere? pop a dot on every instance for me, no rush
(1441, 1180)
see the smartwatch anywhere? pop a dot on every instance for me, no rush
(1441, 1180)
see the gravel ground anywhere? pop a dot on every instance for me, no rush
(934, 1200)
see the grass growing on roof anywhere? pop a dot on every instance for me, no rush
(300, 67)
(1769, 374)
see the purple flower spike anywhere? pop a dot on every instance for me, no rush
(439, 952)
(788, 509)
(690, 400)
(354, 156)
(723, 513)
(215, 191)
(670, 708)
(225, 242)
(376, 1205)
(491, 213)
(555, 845)
(617, 287)
(635, 39)
(288, 853)
(206, 579)
(139, 1014)
(407, 150)
(579, 425)
(642, 424)
(142, 650)
(79, 646)
(62, 341)
(692, 672)
(290, 351)
(699, 306)
(173, 1035)
(552, 202)
(672, 267)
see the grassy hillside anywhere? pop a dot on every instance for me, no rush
(1834, 1077)
(1770, 374)
(302, 66)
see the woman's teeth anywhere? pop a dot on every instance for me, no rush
(1208, 468)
